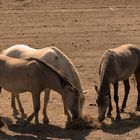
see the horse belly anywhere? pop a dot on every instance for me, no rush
(14, 83)
(12, 88)
(125, 73)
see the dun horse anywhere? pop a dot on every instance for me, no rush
(117, 64)
(55, 58)
(17, 75)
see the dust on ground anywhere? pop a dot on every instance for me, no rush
(83, 30)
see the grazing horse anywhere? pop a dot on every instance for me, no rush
(117, 64)
(55, 58)
(33, 75)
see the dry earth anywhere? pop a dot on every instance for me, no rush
(83, 30)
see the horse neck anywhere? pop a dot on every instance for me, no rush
(74, 78)
(56, 86)
(105, 80)
(53, 80)
(70, 70)
(104, 87)
(104, 72)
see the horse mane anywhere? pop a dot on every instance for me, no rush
(63, 80)
(106, 62)
(71, 65)
(58, 51)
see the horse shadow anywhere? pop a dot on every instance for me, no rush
(44, 131)
(122, 126)
(5, 136)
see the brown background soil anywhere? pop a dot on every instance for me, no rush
(83, 30)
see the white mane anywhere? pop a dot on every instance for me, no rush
(51, 55)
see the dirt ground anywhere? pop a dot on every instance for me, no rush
(83, 30)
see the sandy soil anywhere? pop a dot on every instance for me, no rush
(83, 30)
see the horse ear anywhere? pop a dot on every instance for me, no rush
(96, 88)
(85, 91)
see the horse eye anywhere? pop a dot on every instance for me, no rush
(75, 91)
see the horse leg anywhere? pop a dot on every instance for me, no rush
(138, 89)
(13, 104)
(36, 105)
(110, 107)
(66, 112)
(46, 100)
(127, 89)
(116, 99)
(20, 106)
(82, 101)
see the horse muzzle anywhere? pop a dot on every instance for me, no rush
(101, 118)
(75, 117)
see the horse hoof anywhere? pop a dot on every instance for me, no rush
(122, 110)
(118, 118)
(15, 113)
(69, 119)
(24, 115)
(46, 120)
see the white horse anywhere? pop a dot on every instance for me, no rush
(55, 58)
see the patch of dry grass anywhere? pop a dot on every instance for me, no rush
(86, 122)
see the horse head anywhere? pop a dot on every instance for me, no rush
(102, 102)
(72, 100)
